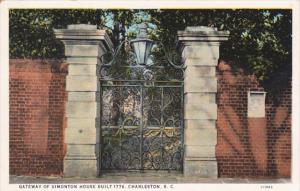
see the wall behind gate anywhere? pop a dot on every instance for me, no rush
(36, 126)
(250, 147)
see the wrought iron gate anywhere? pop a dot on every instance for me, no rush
(141, 126)
(141, 114)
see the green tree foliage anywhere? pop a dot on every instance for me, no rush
(259, 42)
(31, 30)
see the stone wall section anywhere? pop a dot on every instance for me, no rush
(84, 45)
(200, 54)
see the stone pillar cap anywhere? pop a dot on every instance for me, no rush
(202, 34)
(82, 27)
(84, 32)
(200, 28)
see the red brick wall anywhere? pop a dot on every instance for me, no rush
(249, 147)
(37, 102)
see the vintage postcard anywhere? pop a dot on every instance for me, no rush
(149, 95)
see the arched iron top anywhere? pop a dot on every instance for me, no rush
(142, 59)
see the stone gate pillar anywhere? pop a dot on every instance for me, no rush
(200, 53)
(84, 44)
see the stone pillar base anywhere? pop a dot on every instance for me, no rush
(80, 167)
(204, 169)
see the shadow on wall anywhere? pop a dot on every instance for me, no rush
(37, 97)
(251, 147)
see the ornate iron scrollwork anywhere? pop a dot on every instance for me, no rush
(141, 111)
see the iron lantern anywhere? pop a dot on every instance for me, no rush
(142, 45)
